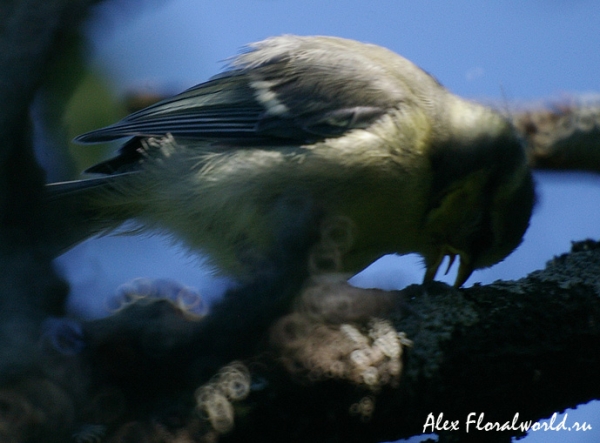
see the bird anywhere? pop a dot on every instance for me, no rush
(300, 129)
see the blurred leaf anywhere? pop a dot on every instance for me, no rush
(92, 105)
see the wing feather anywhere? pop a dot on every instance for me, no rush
(284, 90)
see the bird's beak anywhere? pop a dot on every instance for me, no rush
(465, 268)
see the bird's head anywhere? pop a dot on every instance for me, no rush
(482, 195)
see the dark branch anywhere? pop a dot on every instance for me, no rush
(524, 347)
(565, 136)
(31, 34)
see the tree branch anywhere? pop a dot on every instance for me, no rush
(329, 370)
(564, 136)
(30, 34)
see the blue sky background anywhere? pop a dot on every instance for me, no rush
(501, 51)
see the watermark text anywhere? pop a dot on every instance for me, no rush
(477, 422)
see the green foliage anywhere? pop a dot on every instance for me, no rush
(76, 98)
(91, 105)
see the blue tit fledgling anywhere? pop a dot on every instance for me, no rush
(356, 130)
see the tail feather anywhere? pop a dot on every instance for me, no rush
(72, 215)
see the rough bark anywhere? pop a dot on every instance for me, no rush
(526, 347)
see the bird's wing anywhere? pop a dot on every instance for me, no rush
(220, 108)
(283, 90)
